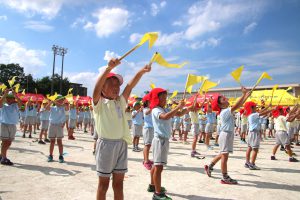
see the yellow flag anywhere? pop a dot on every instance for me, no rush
(152, 86)
(236, 74)
(174, 94)
(206, 85)
(17, 86)
(2, 87)
(264, 75)
(69, 97)
(23, 92)
(53, 97)
(288, 89)
(11, 82)
(70, 90)
(77, 97)
(151, 37)
(192, 80)
(161, 61)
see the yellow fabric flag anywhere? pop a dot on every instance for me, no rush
(236, 74)
(23, 92)
(174, 94)
(53, 97)
(264, 75)
(70, 90)
(161, 61)
(152, 86)
(69, 97)
(2, 87)
(206, 85)
(17, 86)
(151, 37)
(192, 80)
(11, 82)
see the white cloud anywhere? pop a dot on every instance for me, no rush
(249, 28)
(78, 21)
(3, 17)
(135, 37)
(169, 39)
(155, 9)
(177, 23)
(209, 16)
(210, 42)
(88, 26)
(110, 20)
(14, 52)
(39, 26)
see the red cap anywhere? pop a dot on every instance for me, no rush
(215, 105)
(119, 77)
(248, 105)
(146, 97)
(154, 101)
(242, 111)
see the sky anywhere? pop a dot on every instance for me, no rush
(214, 36)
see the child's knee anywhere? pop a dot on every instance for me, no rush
(117, 185)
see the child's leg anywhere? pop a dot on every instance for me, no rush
(151, 175)
(248, 153)
(224, 159)
(137, 140)
(146, 152)
(207, 138)
(180, 134)
(60, 147)
(157, 177)
(41, 134)
(254, 155)
(103, 183)
(30, 129)
(52, 143)
(117, 184)
(67, 124)
(25, 129)
(185, 133)
(4, 147)
(194, 142)
(275, 149)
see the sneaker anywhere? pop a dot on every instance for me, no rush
(50, 158)
(282, 148)
(247, 165)
(212, 138)
(147, 165)
(253, 167)
(135, 149)
(139, 149)
(41, 142)
(174, 139)
(47, 140)
(61, 159)
(228, 180)
(216, 144)
(30, 136)
(151, 188)
(160, 196)
(273, 158)
(5, 161)
(292, 159)
(208, 170)
(200, 141)
(194, 153)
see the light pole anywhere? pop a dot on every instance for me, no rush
(62, 52)
(55, 49)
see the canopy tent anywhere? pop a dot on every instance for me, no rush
(34, 97)
(201, 98)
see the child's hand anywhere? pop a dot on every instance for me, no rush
(181, 104)
(244, 90)
(146, 68)
(113, 63)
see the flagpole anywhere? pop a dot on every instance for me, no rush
(184, 93)
(129, 52)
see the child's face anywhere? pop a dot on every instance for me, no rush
(254, 109)
(209, 109)
(223, 102)
(10, 100)
(137, 107)
(163, 100)
(60, 102)
(111, 88)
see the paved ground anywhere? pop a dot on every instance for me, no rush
(33, 178)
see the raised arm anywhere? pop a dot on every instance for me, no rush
(3, 98)
(101, 79)
(20, 103)
(173, 112)
(242, 100)
(135, 80)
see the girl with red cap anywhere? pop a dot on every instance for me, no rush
(161, 119)
(226, 133)
(112, 128)
(254, 132)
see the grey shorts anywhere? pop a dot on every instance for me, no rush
(282, 138)
(226, 142)
(56, 131)
(244, 128)
(292, 131)
(176, 126)
(72, 123)
(271, 126)
(8, 131)
(129, 123)
(218, 129)
(148, 134)
(202, 128)
(263, 127)
(195, 129)
(209, 128)
(137, 130)
(160, 149)
(38, 120)
(254, 139)
(187, 127)
(80, 119)
(30, 120)
(22, 119)
(111, 157)
(86, 120)
(45, 124)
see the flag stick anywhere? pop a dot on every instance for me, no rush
(184, 93)
(129, 52)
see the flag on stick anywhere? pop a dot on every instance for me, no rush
(236, 74)
(263, 75)
(192, 80)
(206, 85)
(157, 57)
(11, 82)
(152, 86)
(17, 86)
(174, 94)
(2, 87)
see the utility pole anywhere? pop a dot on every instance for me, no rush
(62, 51)
(55, 49)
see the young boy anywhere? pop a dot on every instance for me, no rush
(72, 121)
(254, 132)
(210, 115)
(186, 127)
(148, 132)
(56, 128)
(227, 134)
(86, 119)
(112, 128)
(9, 119)
(137, 128)
(161, 119)
(202, 124)
(44, 117)
(22, 115)
(282, 137)
(30, 118)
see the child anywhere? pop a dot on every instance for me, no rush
(176, 127)
(44, 117)
(227, 133)
(202, 124)
(210, 115)
(162, 130)
(186, 124)
(80, 118)
(112, 128)
(30, 117)
(254, 132)
(148, 132)
(244, 122)
(9, 119)
(137, 129)
(56, 129)
(22, 115)
(282, 137)
(72, 121)
(271, 126)
(128, 116)
(86, 118)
